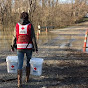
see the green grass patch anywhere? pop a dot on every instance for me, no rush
(84, 19)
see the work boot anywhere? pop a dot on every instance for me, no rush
(19, 78)
(27, 73)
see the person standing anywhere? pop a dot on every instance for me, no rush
(24, 37)
(39, 28)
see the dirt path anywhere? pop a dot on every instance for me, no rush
(65, 65)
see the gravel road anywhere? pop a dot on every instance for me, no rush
(65, 65)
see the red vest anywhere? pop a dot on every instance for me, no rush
(23, 35)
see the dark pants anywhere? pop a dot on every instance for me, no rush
(21, 58)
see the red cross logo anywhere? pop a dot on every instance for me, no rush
(12, 66)
(35, 68)
(22, 28)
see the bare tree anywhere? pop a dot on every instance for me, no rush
(45, 12)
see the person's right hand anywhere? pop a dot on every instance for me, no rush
(12, 49)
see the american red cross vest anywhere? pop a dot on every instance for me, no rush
(23, 35)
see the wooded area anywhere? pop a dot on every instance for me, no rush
(43, 12)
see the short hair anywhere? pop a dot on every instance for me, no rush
(24, 16)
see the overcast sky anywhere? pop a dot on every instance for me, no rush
(64, 1)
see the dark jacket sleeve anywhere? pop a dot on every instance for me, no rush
(35, 47)
(13, 45)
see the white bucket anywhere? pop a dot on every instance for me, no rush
(36, 66)
(12, 64)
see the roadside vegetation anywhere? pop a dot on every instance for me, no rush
(43, 12)
(47, 13)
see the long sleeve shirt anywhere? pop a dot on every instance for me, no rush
(35, 48)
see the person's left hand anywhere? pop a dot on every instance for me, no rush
(37, 52)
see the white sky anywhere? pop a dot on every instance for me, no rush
(66, 1)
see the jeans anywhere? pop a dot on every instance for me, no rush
(21, 58)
